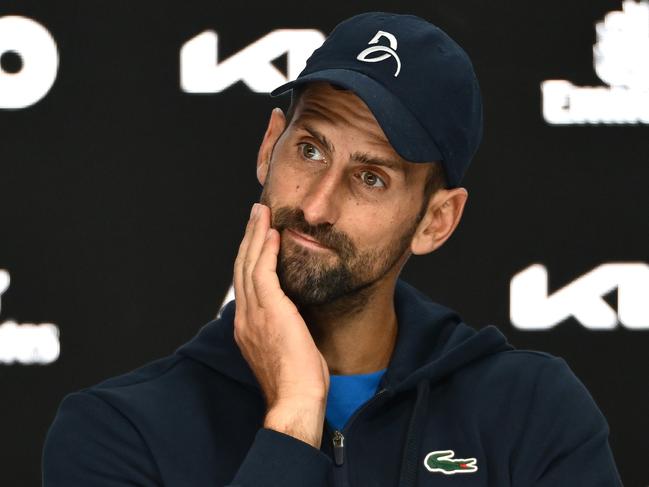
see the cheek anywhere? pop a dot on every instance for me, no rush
(285, 179)
(380, 228)
(372, 229)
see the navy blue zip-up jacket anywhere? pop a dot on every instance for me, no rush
(456, 407)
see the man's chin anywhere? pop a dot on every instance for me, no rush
(311, 285)
(333, 293)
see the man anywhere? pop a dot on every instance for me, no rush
(327, 370)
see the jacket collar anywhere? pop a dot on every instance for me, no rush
(432, 342)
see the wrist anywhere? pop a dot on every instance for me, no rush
(301, 419)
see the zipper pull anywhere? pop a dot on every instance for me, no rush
(339, 447)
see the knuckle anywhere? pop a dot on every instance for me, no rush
(238, 324)
(255, 271)
(242, 245)
(257, 277)
(239, 336)
(248, 264)
(237, 264)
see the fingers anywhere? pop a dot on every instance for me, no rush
(264, 276)
(239, 293)
(257, 235)
(246, 279)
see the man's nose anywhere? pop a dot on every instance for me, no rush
(321, 202)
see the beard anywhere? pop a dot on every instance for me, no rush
(342, 276)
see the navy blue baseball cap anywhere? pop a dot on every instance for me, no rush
(416, 80)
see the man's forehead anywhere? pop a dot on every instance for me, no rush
(322, 103)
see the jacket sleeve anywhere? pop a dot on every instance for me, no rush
(565, 438)
(276, 459)
(91, 443)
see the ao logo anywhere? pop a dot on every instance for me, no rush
(531, 308)
(26, 343)
(35, 48)
(621, 59)
(202, 72)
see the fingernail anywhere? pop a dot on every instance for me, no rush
(253, 210)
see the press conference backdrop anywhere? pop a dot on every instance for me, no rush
(128, 140)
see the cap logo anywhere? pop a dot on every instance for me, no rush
(387, 51)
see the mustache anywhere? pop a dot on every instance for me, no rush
(293, 218)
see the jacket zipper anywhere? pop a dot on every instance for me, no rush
(338, 437)
(339, 448)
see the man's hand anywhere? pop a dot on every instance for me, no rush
(275, 340)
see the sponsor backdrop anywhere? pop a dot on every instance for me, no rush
(128, 137)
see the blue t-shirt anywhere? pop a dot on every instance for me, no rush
(347, 393)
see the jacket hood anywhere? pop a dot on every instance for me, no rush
(432, 342)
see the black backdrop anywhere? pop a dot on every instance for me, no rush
(123, 198)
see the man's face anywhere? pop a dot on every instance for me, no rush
(345, 204)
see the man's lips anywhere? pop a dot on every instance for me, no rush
(305, 240)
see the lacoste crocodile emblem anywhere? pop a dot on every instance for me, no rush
(443, 461)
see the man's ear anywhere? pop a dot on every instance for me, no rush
(442, 216)
(276, 125)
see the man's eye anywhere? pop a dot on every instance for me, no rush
(311, 152)
(372, 180)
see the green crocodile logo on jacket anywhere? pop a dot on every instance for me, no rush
(443, 461)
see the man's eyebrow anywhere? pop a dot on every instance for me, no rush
(365, 158)
(317, 135)
(360, 157)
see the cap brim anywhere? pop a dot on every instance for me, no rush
(404, 132)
